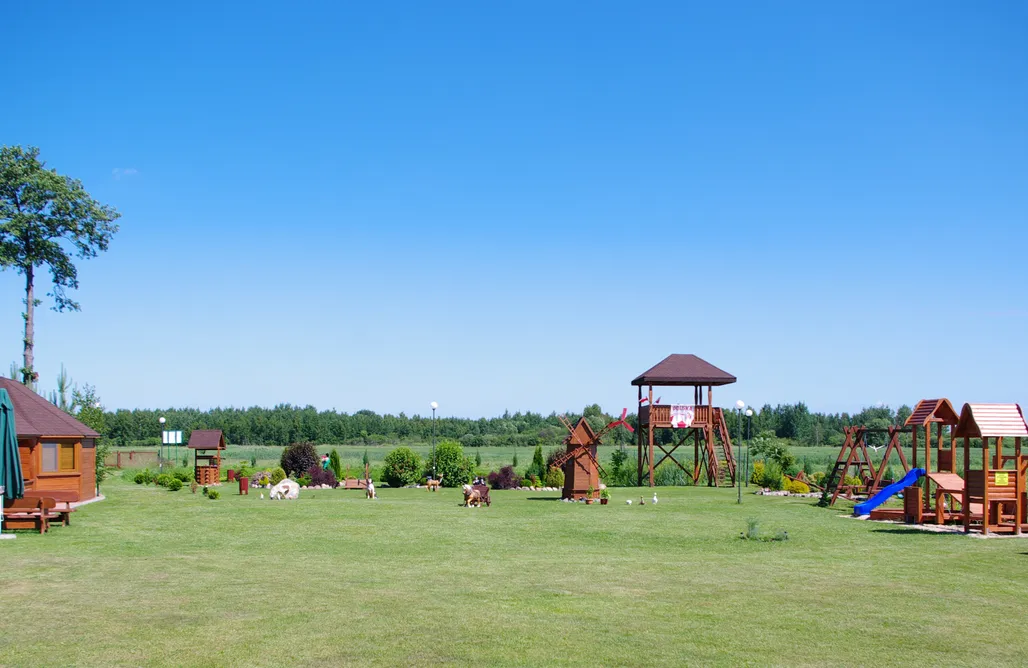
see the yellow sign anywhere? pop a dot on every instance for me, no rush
(1002, 478)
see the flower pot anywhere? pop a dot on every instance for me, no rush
(231, 475)
(588, 502)
(603, 502)
(244, 485)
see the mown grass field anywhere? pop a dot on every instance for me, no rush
(151, 577)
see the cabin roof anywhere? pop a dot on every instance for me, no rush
(585, 433)
(206, 439)
(684, 370)
(928, 411)
(991, 420)
(35, 416)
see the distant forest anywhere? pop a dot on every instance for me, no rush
(286, 424)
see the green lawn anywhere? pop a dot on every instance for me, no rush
(150, 577)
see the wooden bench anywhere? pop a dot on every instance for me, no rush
(63, 498)
(30, 513)
(353, 483)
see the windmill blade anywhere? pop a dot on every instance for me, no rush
(571, 430)
(617, 423)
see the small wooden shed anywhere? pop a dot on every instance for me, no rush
(58, 453)
(207, 445)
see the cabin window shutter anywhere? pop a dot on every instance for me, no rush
(49, 457)
(67, 456)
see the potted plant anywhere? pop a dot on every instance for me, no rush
(604, 497)
(589, 496)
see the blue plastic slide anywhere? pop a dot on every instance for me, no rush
(881, 497)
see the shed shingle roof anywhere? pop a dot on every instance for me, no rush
(206, 439)
(978, 420)
(684, 370)
(35, 416)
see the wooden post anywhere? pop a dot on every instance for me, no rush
(639, 441)
(1019, 488)
(999, 453)
(985, 486)
(696, 456)
(913, 447)
(650, 431)
(966, 497)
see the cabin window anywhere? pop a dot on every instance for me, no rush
(58, 457)
(50, 457)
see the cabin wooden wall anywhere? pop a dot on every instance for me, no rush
(81, 481)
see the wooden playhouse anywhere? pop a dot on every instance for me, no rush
(994, 496)
(58, 453)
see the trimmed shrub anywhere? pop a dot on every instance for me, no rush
(852, 480)
(334, 463)
(669, 475)
(213, 494)
(796, 487)
(320, 476)
(478, 459)
(505, 478)
(402, 467)
(818, 477)
(143, 477)
(772, 477)
(304, 481)
(554, 477)
(174, 485)
(182, 475)
(537, 469)
(453, 468)
(278, 475)
(758, 473)
(163, 479)
(298, 458)
(193, 487)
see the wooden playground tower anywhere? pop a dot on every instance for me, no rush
(699, 420)
(948, 485)
(994, 496)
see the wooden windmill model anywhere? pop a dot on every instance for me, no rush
(581, 468)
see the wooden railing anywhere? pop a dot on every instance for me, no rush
(662, 415)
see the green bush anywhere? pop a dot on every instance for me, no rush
(402, 467)
(304, 481)
(669, 475)
(537, 469)
(852, 480)
(818, 477)
(182, 475)
(453, 468)
(163, 480)
(278, 475)
(298, 458)
(554, 477)
(144, 477)
(174, 485)
(213, 494)
(772, 477)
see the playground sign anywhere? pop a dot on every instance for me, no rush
(682, 415)
(1002, 478)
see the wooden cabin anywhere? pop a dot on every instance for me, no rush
(58, 453)
(994, 496)
(701, 420)
(206, 445)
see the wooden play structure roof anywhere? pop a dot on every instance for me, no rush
(929, 411)
(991, 420)
(206, 439)
(684, 370)
(35, 416)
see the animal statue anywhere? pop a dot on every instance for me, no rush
(371, 490)
(471, 497)
(287, 489)
(654, 497)
(628, 502)
(433, 485)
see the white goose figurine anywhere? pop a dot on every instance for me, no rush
(654, 497)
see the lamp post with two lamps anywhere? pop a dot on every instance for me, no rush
(160, 448)
(434, 406)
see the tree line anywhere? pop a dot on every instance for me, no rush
(285, 424)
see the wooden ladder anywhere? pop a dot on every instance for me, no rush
(721, 427)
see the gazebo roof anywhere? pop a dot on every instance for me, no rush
(206, 439)
(928, 411)
(991, 420)
(684, 370)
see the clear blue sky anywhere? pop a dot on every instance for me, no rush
(385, 204)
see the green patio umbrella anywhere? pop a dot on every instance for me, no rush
(10, 461)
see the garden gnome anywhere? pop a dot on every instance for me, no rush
(324, 462)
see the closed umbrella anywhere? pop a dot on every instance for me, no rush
(11, 482)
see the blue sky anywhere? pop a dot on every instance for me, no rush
(524, 205)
